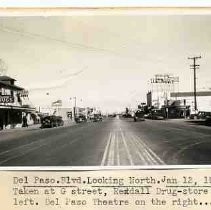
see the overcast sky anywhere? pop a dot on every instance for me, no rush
(106, 61)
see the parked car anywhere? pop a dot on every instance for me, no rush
(97, 118)
(51, 121)
(138, 116)
(127, 115)
(112, 115)
(156, 114)
(203, 115)
(208, 120)
(80, 119)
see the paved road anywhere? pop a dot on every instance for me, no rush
(111, 142)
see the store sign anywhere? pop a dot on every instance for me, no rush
(6, 99)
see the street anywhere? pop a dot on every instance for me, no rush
(113, 142)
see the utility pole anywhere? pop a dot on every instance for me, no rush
(74, 107)
(194, 67)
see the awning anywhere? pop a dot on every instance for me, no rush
(29, 109)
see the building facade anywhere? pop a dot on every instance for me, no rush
(14, 104)
(161, 85)
(203, 100)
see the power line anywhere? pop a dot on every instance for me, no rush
(65, 43)
(71, 44)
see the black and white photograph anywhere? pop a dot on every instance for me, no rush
(105, 90)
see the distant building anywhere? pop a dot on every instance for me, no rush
(65, 113)
(203, 99)
(14, 104)
(149, 99)
(156, 99)
(161, 85)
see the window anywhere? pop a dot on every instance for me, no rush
(5, 91)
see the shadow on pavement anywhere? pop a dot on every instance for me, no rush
(199, 122)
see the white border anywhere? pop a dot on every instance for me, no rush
(107, 168)
(104, 3)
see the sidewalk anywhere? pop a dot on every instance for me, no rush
(69, 123)
(30, 127)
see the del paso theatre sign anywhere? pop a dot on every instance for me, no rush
(6, 99)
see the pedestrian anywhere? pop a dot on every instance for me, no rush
(25, 124)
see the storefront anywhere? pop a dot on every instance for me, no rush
(12, 103)
(203, 99)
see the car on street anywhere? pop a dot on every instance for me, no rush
(51, 121)
(155, 114)
(138, 115)
(128, 115)
(202, 115)
(208, 120)
(97, 118)
(112, 115)
(80, 119)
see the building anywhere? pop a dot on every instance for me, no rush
(65, 113)
(171, 108)
(161, 85)
(176, 109)
(159, 96)
(14, 104)
(203, 100)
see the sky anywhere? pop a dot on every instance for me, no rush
(104, 61)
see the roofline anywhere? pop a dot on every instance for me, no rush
(191, 94)
(7, 78)
(12, 87)
(17, 108)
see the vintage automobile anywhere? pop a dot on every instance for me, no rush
(208, 120)
(80, 119)
(97, 118)
(51, 121)
(201, 115)
(156, 114)
(138, 115)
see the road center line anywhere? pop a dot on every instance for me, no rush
(106, 150)
(155, 156)
(149, 158)
(140, 151)
(111, 151)
(117, 149)
(126, 147)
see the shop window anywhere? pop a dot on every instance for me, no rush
(6, 91)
